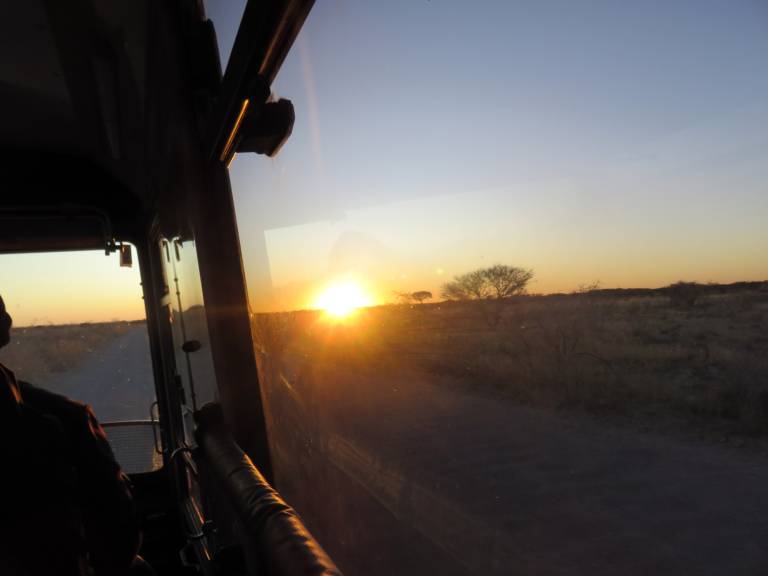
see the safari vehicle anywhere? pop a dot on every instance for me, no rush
(400, 288)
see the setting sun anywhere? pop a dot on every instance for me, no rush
(342, 299)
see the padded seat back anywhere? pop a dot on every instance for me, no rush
(274, 533)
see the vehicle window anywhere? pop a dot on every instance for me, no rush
(189, 327)
(79, 330)
(508, 283)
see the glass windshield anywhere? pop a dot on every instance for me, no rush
(79, 329)
(508, 278)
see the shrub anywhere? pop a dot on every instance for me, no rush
(684, 294)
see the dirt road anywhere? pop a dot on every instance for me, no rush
(485, 487)
(116, 381)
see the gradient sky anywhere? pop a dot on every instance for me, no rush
(69, 287)
(625, 142)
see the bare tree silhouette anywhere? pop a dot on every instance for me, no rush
(469, 286)
(493, 286)
(499, 281)
(505, 281)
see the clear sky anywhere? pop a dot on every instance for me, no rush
(625, 142)
(69, 287)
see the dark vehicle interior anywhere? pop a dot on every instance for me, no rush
(116, 126)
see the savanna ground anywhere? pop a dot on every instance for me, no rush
(704, 365)
(595, 433)
(640, 357)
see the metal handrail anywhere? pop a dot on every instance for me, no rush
(125, 423)
(118, 423)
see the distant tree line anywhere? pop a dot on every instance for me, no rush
(682, 294)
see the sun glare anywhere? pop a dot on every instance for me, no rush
(340, 300)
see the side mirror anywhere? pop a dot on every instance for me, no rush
(267, 128)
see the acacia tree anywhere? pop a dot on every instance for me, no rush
(497, 282)
(469, 286)
(421, 295)
(493, 286)
(505, 281)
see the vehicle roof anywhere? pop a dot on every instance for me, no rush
(109, 108)
(72, 90)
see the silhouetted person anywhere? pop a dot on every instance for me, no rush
(64, 502)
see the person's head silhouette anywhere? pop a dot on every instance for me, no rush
(5, 324)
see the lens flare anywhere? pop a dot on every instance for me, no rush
(341, 299)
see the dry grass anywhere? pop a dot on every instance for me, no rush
(706, 364)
